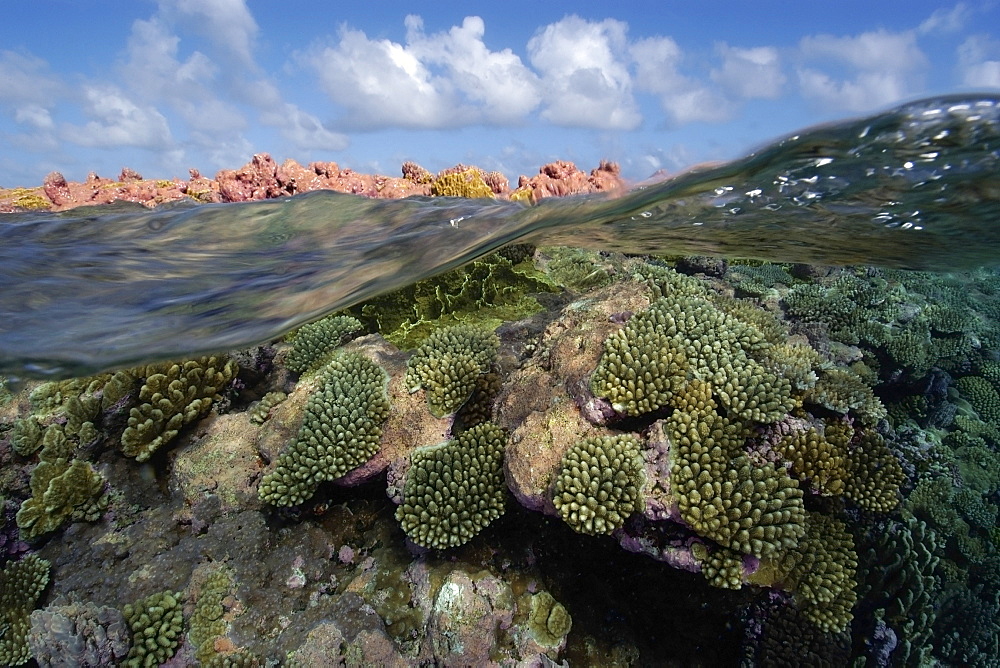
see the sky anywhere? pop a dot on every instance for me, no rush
(168, 85)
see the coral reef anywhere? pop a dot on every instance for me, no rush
(312, 342)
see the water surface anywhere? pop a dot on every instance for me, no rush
(916, 187)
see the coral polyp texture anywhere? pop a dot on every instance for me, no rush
(449, 364)
(157, 623)
(314, 341)
(469, 182)
(599, 484)
(455, 489)
(21, 583)
(341, 430)
(172, 396)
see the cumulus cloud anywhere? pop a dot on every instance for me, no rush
(431, 81)
(226, 23)
(979, 62)
(749, 73)
(118, 121)
(30, 90)
(585, 77)
(875, 69)
(684, 99)
(946, 21)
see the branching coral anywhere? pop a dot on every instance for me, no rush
(172, 396)
(314, 341)
(21, 583)
(449, 364)
(157, 624)
(341, 430)
(599, 484)
(455, 489)
(820, 571)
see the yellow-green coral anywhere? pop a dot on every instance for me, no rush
(874, 474)
(172, 396)
(982, 395)
(314, 341)
(843, 391)
(722, 567)
(21, 583)
(207, 622)
(750, 507)
(548, 620)
(341, 430)
(157, 623)
(599, 484)
(61, 488)
(455, 489)
(684, 336)
(464, 183)
(820, 571)
(449, 364)
(815, 460)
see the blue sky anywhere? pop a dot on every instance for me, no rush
(165, 86)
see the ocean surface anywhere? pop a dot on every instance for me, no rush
(916, 187)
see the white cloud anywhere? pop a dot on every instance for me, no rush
(585, 76)
(946, 21)
(683, 98)
(303, 130)
(881, 68)
(227, 23)
(118, 121)
(440, 80)
(749, 73)
(979, 62)
(497, 82)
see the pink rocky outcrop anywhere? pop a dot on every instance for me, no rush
(561, 178)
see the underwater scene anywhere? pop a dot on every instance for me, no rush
(747, 415)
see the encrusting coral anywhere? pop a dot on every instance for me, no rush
(314, 341)
(172, 396)
(548, 620)
(455, 489)
(21, 583)
(449, 365)
(599, 484)
(469, 182)
(341, 430)
(157, 623)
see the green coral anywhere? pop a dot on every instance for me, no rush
(157, 625)
(341, 430)
(752, 508)
(314, 341)
(487, 292)
(599, 484)
(982, 395)
(26, 436)
(722, 567)
(821, 573)
(62, 488)
(21, 584)
(684, 336)
(844, 392)
(576, 268)
(548, 620)
(260, 412)
(462, 183)
(449, 364)
(455, 489)
(172, 396)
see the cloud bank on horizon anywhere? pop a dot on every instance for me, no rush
(208, 83)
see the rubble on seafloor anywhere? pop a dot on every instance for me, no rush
(657, 462)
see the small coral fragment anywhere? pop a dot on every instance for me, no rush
(341, 430)
(157, 624)
(548, 620)
(172, 396)
(455, 489)
(449, 364)
(599, 484)
(21, 583)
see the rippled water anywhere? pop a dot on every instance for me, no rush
(916, 187)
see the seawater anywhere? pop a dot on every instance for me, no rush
(916, 187)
